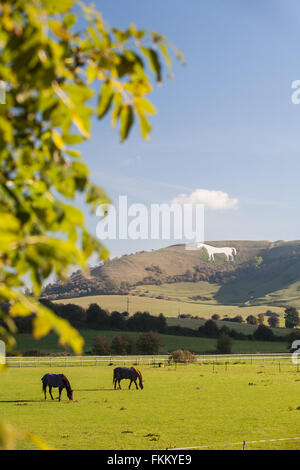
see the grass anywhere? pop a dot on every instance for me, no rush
(184, 407)
(170, 343)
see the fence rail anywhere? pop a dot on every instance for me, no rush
(243, 444)
(67, 361)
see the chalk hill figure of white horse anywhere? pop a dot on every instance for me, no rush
(228, 251)
(130, 373)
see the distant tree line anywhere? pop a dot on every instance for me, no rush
(95, 317)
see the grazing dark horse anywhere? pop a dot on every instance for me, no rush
(130, 373)
(57, 380)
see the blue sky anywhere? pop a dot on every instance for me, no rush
(225, 122)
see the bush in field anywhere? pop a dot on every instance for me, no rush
(261, 318)
(123, 345)
(215, 316)
(149, 343)
(101, 346)
(183, 356)
(252, 320)
(224, 344)
(273, 321)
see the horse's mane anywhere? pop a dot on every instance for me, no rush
(66, 382)
(138, 373)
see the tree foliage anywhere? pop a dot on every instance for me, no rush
(60, 75)
(224, 344)
(291, 316)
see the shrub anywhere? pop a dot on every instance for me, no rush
(123, 344)
(183, 356)
(101, 346)
(273, 321)
(224, 344)
(149, 343)
(215, 316)
(251, 320)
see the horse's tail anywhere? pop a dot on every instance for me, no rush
(116, 375)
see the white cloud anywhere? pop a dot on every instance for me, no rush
(214, 200)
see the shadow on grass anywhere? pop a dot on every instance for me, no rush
(21, 401)
(92, 389)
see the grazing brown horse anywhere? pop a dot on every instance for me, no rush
(57, 380)
(130, 373)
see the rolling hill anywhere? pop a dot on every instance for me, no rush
(262, 273)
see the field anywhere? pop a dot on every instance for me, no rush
(25, 342)
(189, 406)
(169, 306)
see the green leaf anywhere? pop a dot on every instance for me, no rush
(145, 126)
(153, 61)
(145, 105)
(72, 139)
(126, 121)
(117, 108)
(105, 99)
(164, 50)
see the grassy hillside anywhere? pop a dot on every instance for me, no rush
(263, 274)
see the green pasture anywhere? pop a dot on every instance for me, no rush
(187, 406)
